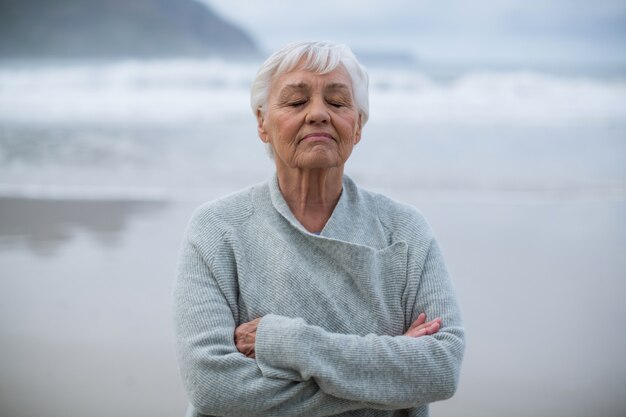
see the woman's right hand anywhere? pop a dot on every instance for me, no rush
(421, 327)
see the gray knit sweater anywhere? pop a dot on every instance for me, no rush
(334, 307)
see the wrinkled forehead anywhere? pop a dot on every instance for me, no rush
(304, 80)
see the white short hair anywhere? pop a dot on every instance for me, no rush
(318, 57)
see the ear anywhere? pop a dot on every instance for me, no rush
(357, 133)
(260, 119)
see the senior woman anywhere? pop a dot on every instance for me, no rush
(307, 295)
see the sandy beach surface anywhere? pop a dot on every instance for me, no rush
(85, 305)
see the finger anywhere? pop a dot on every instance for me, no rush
(427, 324)
(421, 319)
(245, 348)
(431, 325)
(433, 328)
(416, 333)
(425, 329)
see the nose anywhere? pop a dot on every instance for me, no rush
(317, 111)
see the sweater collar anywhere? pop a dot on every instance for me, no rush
(340, 218)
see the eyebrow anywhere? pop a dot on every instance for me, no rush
(304, 87)
(294, 88)
(337, 86)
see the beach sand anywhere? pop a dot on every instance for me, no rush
(85, 305)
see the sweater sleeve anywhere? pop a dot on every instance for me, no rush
(393, 371)
(218, 379)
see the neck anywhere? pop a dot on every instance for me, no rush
(312, 194)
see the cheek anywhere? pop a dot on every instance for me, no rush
(351, 128)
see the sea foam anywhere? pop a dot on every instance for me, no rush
(182, 91)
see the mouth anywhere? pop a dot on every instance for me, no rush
(318, 136)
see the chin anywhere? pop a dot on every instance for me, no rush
(321, 161)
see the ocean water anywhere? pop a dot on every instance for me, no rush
(522, 176)
(169, 128)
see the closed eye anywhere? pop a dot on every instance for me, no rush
(338, 100)
(297, 103)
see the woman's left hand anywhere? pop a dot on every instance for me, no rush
(245, 337)
(421, 327)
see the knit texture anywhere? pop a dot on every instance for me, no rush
(334, 307)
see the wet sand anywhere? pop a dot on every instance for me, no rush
(85, 305)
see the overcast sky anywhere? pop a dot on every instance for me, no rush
(476, 31)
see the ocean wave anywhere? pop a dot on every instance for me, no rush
(182, 91)
(493, 98)
(158, 92)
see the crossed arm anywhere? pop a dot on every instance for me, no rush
(245, 334)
